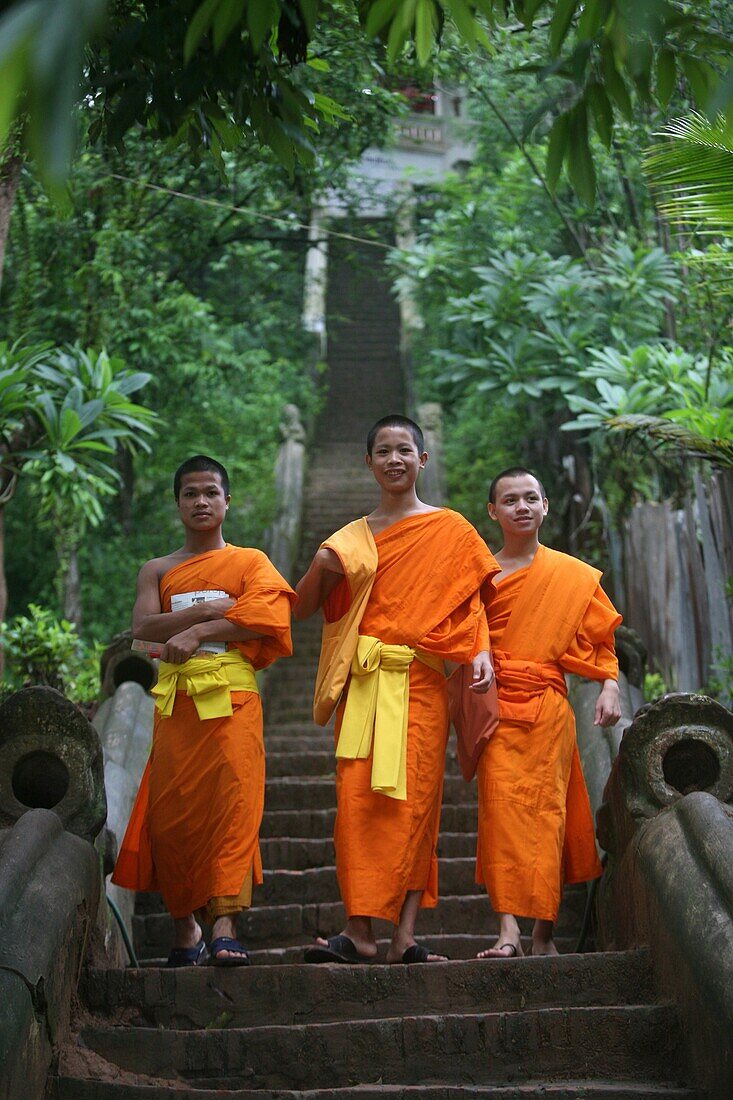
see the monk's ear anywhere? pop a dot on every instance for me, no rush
(491, 509)
(545, 506)
(423, 459)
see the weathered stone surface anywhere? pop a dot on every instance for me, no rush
(278, 925)
(598, 747)
(124, 723)
(120, 665)
(301, 994)
(673, 889)
(631, 653)
(432, 478)
(49, 895)
(681, 743)
(283, 535)
(478, 1048)
(50, 758)
(75, 1089)
(25, 1048)
(669, 881)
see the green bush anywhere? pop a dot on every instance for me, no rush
(42, 649)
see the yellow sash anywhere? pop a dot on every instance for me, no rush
(377, 708)
(208, 680)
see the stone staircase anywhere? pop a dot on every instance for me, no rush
(577, 1026)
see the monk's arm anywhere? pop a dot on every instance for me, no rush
(185, 643)
(152, 624)
(608, 705)
(324, 573)
(483, 666)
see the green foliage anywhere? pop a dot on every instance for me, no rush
(213, 75)
(671, 397)
(720, 683)
(692, 173)
(77, 413)
(82, 676)
(654, 687)
(39, 648)
(18, 379)
(533, 321)
(205, 303)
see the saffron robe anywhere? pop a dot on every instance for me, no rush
(427, 592)
(535, 821)
(194, 829)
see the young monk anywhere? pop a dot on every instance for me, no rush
(193, 832)
(547, 615)
(401, 591)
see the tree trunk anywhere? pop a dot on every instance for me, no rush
(9, 180)
(72, 588)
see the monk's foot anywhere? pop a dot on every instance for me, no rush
(404, 949)
(187, 933)
(364, 947)
(225, 929)
(544, 947)
(503, 949)
(340, 949)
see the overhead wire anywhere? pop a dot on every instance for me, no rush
(289, 222)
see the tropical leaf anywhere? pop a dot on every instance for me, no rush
(677, 436)
(692, 173)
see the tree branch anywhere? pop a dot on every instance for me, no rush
(535, 168)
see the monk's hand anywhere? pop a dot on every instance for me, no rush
(483, 673)
(180, 647)
(608, 705)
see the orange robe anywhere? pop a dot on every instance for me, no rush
(194, 829)
(535, 821)
(427, 594)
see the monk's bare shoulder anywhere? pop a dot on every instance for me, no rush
(156, 568)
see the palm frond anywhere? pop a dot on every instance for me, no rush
(692, 173)
(677, 436)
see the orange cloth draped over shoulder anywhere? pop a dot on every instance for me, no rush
(194, 829)
(424, 584)
(535, 821)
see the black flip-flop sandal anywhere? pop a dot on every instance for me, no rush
(188, 956)
(418, 953)
(340, 949)
(226, 943)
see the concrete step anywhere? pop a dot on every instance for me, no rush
(191, 997)
(296, 762)
(319, 823)
(299, 853)
(318, 884)
(75, 1088)
(317, 793)
(288, 886)
(624, 1041)
(286, 925)
(306, 738)
(455, 947)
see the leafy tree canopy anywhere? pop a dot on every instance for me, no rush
(214, 74)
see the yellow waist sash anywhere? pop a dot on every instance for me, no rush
(377, 710)
(209, 681)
